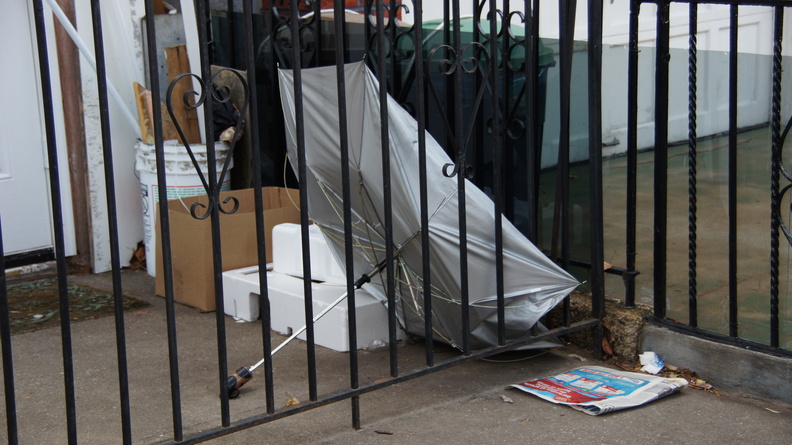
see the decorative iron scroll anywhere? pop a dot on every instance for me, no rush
(471, 58)
(308, 24)
(783, 170)
(220, 94)
(455, 60)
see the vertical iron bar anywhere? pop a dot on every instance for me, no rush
(386, 188)
(567, 11)
(112, 213)
(396, 84)
(261, 244)
(595, 166)
(733, 29)
(533, 145)
(507, 156)
(317, 22)
(12, 427)
(349, 258)
(367, 32)
(170, 310)
(775, 206)
(302, 170)
(448, 86)
(204, 20)
(499, 147)
(461, 177)
(479, 131)
(661, 158)
(420, 116)
(692, 203)
(214, 206)
(57, 223)
(231, 23)
(632, 153)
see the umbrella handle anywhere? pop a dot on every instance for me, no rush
(236, 380)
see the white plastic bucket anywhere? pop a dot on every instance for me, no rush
(181, 178)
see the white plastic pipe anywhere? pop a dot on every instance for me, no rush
(86, 52)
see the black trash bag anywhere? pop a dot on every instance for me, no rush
(224, 113)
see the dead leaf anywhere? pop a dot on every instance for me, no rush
(606, 347)
(293, 401)
(627, 366)
(524, 420)
(138, 260)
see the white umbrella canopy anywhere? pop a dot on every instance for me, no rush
(533, 284)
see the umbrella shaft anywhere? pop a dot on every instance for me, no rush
(301, 330)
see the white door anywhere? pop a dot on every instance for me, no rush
(24, 190)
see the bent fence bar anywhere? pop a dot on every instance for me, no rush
(480, 91)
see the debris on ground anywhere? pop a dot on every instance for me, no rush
(622, 325)
(138, 260)
(597, 390)
(671, 371)
(651, 362)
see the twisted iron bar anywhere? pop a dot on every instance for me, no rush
(775, 196)
(692, 197)
(220, 93)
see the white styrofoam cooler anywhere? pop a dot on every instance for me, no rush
(287, 308)
(287, 254)
(287, 302)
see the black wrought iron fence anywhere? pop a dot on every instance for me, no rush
(713, 281)
(478, 86)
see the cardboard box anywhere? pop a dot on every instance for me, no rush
(191, 241)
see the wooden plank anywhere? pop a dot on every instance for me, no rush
(177, 63)
(143, 101)
(146, 117)
(169, 132)
(159, 7)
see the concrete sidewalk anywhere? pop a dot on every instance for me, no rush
(459, 405)
(465, 405)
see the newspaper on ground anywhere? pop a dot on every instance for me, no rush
(596, 390)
